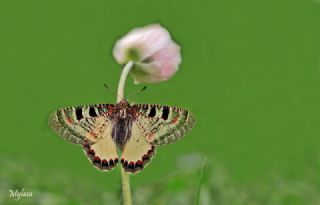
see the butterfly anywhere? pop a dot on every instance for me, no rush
(132, 130)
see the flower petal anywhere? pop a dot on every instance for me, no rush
(151, 48)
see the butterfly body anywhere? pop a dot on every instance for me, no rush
(122, 117)
(134, 130)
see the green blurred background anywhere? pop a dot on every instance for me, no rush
(250, 74)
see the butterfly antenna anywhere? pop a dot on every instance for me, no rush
(110, 90)
(137, 91)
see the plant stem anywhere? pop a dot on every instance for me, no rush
(122, 81)
(126, 192)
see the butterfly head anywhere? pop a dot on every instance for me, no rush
(123, 105)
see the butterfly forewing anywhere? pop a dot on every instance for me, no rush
(163, 124)
(89, 126)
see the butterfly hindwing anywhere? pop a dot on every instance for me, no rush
(102, 153)
(137, 151)
(163, 124)
(89, 126)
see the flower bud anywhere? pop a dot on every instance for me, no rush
(155, 55)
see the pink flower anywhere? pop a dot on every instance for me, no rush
(155, 55)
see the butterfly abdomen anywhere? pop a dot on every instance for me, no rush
(121, 131)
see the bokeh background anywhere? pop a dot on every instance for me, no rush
(250, 74)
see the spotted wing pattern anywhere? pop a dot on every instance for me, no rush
(89, 126)
(137, 151)
(163, 124)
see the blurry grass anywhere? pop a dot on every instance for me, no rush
(182, 186)
(196, 202)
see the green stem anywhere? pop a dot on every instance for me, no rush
(126, 192)
(122, 81)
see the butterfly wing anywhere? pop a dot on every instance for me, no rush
(90, 126)
(137, 151)
(163, 124)
(153, 125)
